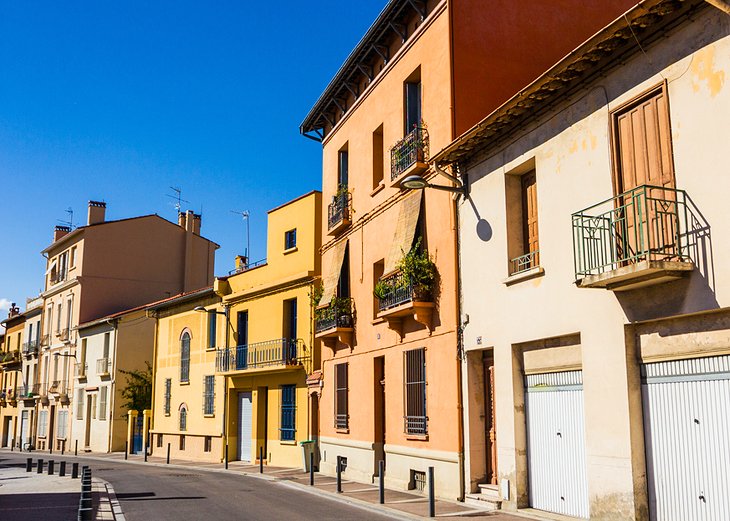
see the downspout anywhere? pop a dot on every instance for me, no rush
(154, 367)
(722, 5)
(459, 345)
(113, 385)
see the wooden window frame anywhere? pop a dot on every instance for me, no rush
(342, 411)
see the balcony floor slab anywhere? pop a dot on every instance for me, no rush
(637, 275)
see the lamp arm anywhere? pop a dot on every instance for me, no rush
(448, 176)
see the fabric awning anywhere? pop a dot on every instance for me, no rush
(332, 273)
(410, 208)
(51, 266)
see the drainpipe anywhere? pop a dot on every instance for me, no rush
(722, 5)
(224, 430)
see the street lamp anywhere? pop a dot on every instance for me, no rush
(416, 182)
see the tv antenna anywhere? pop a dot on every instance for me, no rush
(244, 214)
(70, 222)
(178, 198)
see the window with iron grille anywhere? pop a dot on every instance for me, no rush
(183, 419)
(290, 239)
(102, 403)
(80, 404)
(207, 444)
(288, 412)
(341, 412)
(168, 395)
(415, 391)
(159, 440)
(185, 357)
(208, 394)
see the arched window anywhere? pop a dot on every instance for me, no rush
(183, 417)
(185, 357)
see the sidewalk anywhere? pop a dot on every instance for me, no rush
(399, 504)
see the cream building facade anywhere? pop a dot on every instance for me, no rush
(595, 292)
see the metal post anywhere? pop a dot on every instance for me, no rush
(62, 469)
(76, 448)
(145, 449)
(381, 480)
(261, 460)
(51, 464)
(50, 447)
(226, 455)
(431, 498)
(74, 470)
(126, 449)
(39, 469)
(339, 474)
(311, 468)
(168, 455)
(28, 464)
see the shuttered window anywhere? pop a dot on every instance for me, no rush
(185, 357)
(208, 394)
(183, 418)
(212, 324)
(62, 424)
(80, 404)
(42, 424)
(415, 392)
(341, 412)
(102, 403)
(168, 395)
(288, 412)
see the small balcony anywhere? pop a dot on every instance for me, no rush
(60, 388)
(63, 334)
(9, 358)
(646, 236)
(277, 354)
(42, 391)
(80, 371)
(333, 323)
(398, 298)
(103, 366)
(25, 393)
(45, 340)
(30, 348)
(338, 212)
(409, 155)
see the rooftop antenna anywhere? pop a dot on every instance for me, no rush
(70, 222)
(244, 214)
(178, 198)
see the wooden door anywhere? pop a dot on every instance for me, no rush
(646, 223)
(529, 217)
(490, 424)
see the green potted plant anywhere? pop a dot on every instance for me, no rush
(382, 289)
(418, 270)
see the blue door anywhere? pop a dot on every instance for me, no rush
(137, 437)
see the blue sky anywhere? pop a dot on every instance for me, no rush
(121, 100)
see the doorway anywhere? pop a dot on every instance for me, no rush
(51, 426)
(87, 433)
(489, 418)
(245, 425)
(379, 410)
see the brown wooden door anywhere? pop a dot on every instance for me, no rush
(489, 424)
(529, 216)
(646, 221)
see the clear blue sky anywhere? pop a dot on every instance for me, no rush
(121, 100)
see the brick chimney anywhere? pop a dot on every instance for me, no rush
(181, 220)
(97, 212)
(60, 231)
(196, 223)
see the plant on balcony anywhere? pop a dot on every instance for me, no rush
(382, 289)
(339, 310)
(418, 270)
(316, 295)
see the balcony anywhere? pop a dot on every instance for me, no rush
(280, 353)
(334, 323)
(398, 298)
(25, 393)
(409, 155)
(103, 366)
(30, 348)
(60, 388)
(646, 236)
(63, 334)
(338, 211)
(42, 390)
(10, 357)
(45, 340)
(80, 371)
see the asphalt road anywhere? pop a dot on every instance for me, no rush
(153, 493)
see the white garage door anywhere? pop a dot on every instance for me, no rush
(687, 436)
(556, 443)
(245, 426)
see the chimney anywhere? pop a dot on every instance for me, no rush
(241, 262)
(60, 231)
(14, 311)
(196, 223)
(181, 220)
(97, 212)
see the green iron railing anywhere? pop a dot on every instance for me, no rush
(647, 223)
(524, 262)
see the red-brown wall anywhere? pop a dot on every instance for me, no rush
(500, 46)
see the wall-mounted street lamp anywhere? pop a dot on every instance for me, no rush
(416, 182)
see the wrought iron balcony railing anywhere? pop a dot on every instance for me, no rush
(30, 347)
(58, 387)
(524, 262)
(37, 388)
(337, 314)
(26, 391)
(648, 223)
(80, 370)
(412, 149)
(399, 291)
(10, 357)
(103, 365)
(280, 352)
(338, 210)
(247, 266)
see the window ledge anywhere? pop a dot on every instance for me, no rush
(539, 271)
(377, 189)
(417, 437)
(209, 416)
(288, 442)
(185, 383)
(342, 431)
(209, 349)
(290, 250)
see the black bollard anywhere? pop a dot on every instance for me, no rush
(145, 450)
(63, 447)
(62, 469)
(431, 498)
(28, 464)
(226, 455)
(126, 449)
(311, 469)
(74, 470)
(381, 480)
(51, 465)
(168, 455)
(339, 474)
(39, 469)
(261, 460)
(50, 448)
(76, 448)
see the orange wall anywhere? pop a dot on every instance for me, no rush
(500, 49)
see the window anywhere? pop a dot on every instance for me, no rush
(341, 414)
(288, 412)
(69, 312)
(378, 164)
(168, 394)
(182, 442)
(412, 101)
(82, 361)
(343, 167)
(102, 403)
(80, 404)
(183, 418)
(72, 262)
(207, 443)
(49, 312)
(107, 342)
(93, 406)
(522, 232)
(208, 394)
(159, 440)
(62, 424)
(58, 318)
(415, 392)
(212, 323)
(290, 239)
(185, 357)
(42, 424)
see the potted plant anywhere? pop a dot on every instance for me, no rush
(382, 289)
(418, 270)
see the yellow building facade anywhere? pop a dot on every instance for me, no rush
(271, 349)
(11, 379)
